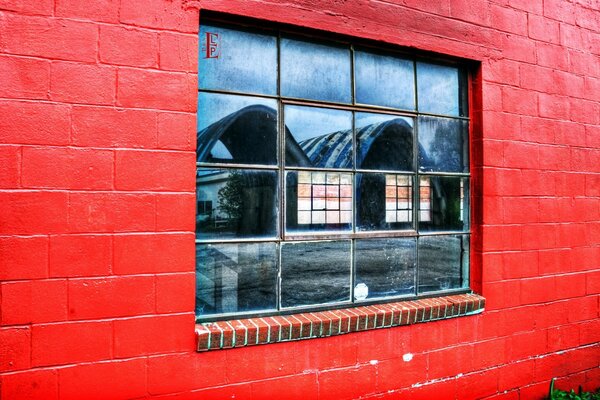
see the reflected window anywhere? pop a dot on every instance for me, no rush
(329, 174)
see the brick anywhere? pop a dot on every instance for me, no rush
(34, 123)
(520, 210)
(178, 52)
(15, 350)
(101, 10)
(441, 363)
(175, 212)
(154, 170)
(175, 292)
(543, 29)
(80, 255)
(67, 343)
(500, 71)
(24, 77)
(473, 12)
(67, 168)
(127, 379)
(154, 253)
(114, 127)
(559, 10)
(181, 372)
(93, 298)
(49, 37)
(521, 155)
(95, 84)
(35, 301)
(111, 212)
(508, 19)
(587, 308)
(589, 332)
(10, 159)
(298, 387)
(524, 345)
(32, 212)
(36, 384)
(563, 337)
(388, 372)
(333, 352)
(152, 335)
(553, 56)
(515, 375)
(23, 257)
(586, 112)
(156, 89)
(177, 131)
(128, 46)
(438, 390)
(520, 264)
(347, 383)
(552, 106)
(519, 101)
(42, 7)
(518, 48)
(478, 385)
(161, 15)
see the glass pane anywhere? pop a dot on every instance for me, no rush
(315, 71)
(315, 273)
(443, 203)
(386, 267)
(384, 80)
(236, 129)
(384, 201)
(384, 142)
(443, 262)
(318, 201)
(318, 137)
(244, 203)
(235, 277)
(231, 59)
(443, 144)
(438, 89)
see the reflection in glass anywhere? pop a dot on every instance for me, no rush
(443, 203)
(383, 201)
(443, 144)
(443, 262)
(318, 137)
(386, 266)
(315, 273)
(231, 59)
(384, 80)
(236, 129)
(315, 71)
(318, 201)
(438, 89)
(243, 203)
(235, 277)
(384, 142)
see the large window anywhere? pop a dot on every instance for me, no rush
(329, 174)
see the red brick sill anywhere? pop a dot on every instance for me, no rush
(283, 328)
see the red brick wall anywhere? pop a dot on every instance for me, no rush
(97, 132)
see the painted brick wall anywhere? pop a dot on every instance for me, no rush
(97, 139)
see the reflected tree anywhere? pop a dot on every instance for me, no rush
(231, 196)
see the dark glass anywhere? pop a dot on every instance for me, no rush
(315, 71)
(236, 129)
(443, 144)
(244, 203)
(235, 278)
(443, 262)
(439, 89)
(235, 60)
(385, 266)
(315, 273)
(443, 203)
(318, 201)
(384, 80)
(384, 142)
(318, 137)
(384, 201)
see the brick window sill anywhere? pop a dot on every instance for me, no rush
(284, 328)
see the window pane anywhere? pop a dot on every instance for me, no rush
(318, 201)
(235, 277)
(244, 203)
(315, 273)
(318, 137)
(384, 201)
(315, 71)
(438, 88)
(384, 142)
(384, 80)
(443, 144)
(236, 60)
(386, 266)
(443, 203)
(443, 262)
(236, 129)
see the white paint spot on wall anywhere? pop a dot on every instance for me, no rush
(407, 357)
(374, 362)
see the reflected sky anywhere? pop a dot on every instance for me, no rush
(438, 90)
(213, 107)
(444, 141)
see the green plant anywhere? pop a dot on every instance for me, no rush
(557, 394)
